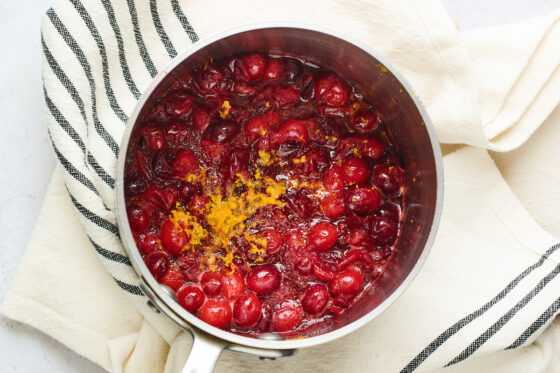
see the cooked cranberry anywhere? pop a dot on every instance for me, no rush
(200, 119)
(243, 89)
(306, 87)
(298, 205)
(197, 206)
(294, 239)
(185, 162)
(304, 264)
(389, 210)
(333, 206)
(351, 256)
(264, 279)
(148, 243)
(211, 282)
(212, 81)
(260, 125)
(363, 200)
(221, 131)
(294, 131)
(176, 132)
(388, 178)
(213, 150)
(323, 272)
(322, 236)
(157, 263)
(372, 148)
(287, 317)
(232, 285)
(293, 69)
(247, 310)
(190, 297)
(142, 165)
(157, 199)
(315, 299)
(333, 111)
(174, 279)
(332, 90)
(273, 70)
(178, 104)
(161, 167)
(316, 161)
(154, 136)
(173, 239)
(187, 191)
(255, 65)
(355, 171)
(237, 163)
(215, 312)
(273, 240)
(284, 97)
(334, 179)
(138, 219)
(347, 283)
(364, 121)
(384, 230)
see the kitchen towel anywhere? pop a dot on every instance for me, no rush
(100, 55)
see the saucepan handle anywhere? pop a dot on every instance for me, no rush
(204, 353)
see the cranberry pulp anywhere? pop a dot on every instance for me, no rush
(265, 192)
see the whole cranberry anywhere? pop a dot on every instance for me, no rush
(247, 310)
(304, 264)
(153, 135)
(364, 121)
(190, 297)
(221, 131)
(334, 179)
(372, 148)
(322, 236)
(294, 130)
(273, 240)
(212, 81)
(255, 65)
(157, 263)
(315, 299)
(363, 200)
(293, 68)
(287, 317)
(232, 285)
(355, 171)
(284, 97)
(389, 210)
(388, 178)
(178, 104)
(138, 219)
(172, 239)
(215, 312)
(148, 243)
(384, 230)
(260, 125)
(273, 70)
(347, 283)
(174, 279)
(332, 90)
(333, 206)
(200, 119)
(264, 279)
(185, 162)
(211, 282)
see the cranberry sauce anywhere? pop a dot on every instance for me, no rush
(265, 192)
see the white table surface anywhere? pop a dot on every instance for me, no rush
(28, 160)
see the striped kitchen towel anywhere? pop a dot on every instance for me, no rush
(491, 282)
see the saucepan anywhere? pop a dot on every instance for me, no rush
(412, 131)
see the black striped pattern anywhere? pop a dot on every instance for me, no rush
(545, 317)
(140, 40)
(160, 30)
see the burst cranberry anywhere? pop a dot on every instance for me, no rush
(255, 65)
(185, 163)
(190, 297)
(178, 104)
(154, 136)
(264, 279)
(176, 132)
(200, 119)
(260, 125)
(215, 312)
(323, 272)
(157, 199)
(384, 230)
(372, 148)
(221, 131)
(363, 200)
(294, 239)
(304, 264)
(237, 163)
(284, 97)
(355, 171)
(197, 206)
(232, 285)
(243, 89)
(273, 70)
(173, 239)
(334, 179)
(347, 283)
(187, 191)
(212, 81)
(211, 282)
(322, 236)
(332, 90)
(364, 121)
(293, 69)
(148, 243)
(247, 310)
(333, 206)
(294, 131)
(157, 263)
(390, 211)
(388, 178)
(305, 86)
(138, 219)
(273, 240)
(174, 279)
(287, 317)
(315, 299)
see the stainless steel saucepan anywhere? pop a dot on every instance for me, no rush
(412, 130)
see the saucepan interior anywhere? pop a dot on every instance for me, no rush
(403, 114)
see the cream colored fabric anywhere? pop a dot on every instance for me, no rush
(488, 88)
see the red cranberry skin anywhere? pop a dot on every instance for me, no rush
(197, 206)
(237, 163)
(221, 131)
(260, 125)
(185, 163)
(138, 219)
(274, 70)
(293, 69)
(148, 243)
(286, 318)
(175, 133)
(355, 171)
(233, 285)
(243, 89)
(323, 272)
(347, 283)
(284, 97)
(334, 179)
(389, 179)
(200, 119)
(212, 81)
(264, 279)
(190, 297)
(304, 265)
(372, 148)
(384, 231)
(333, 206)
(247, 310)
(178, 104)
(172, 239)
(255, 65)
(364, 121)
(332, 90)
(294, 131)
(315, 299)
(363, 200)
(322, 236)
(154, 136)
(273, 240)
(174, 279)
(211, 282)
(157, 263)
(215, 312)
